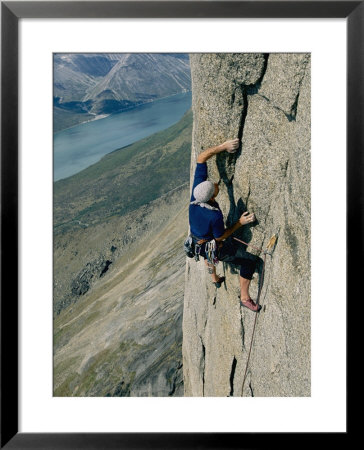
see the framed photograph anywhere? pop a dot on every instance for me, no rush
(181, 209)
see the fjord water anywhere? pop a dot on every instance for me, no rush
(80, 146)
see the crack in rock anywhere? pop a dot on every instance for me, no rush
(232, 375)
(251, 389)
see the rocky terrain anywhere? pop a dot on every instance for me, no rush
(264, 99)
(87, 86)
(119, 270)
(121, 276)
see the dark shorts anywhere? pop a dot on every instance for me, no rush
(228, 253)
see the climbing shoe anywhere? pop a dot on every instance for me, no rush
(251, 305)
(218, 283)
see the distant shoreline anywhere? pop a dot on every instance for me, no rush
(104, 116)
(90, 144)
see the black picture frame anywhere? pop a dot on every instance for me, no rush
(11, 12)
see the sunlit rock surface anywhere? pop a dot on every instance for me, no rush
(265, 101)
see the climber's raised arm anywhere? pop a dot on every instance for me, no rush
(230, 146)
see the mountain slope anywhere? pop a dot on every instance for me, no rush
(124, 336)
(141, 78)
(89, 85)
(119, 273)
(74, 73)
(125, 179)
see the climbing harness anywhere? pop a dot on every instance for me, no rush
(268, 251)
(193, 249)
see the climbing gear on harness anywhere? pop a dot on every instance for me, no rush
(211, 252)
(268, 251)
(193, 248)
(197, 251)
(251, 305)
(188, 247)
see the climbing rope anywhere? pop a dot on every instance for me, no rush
(268, 251)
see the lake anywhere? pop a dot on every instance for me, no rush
(82, 145)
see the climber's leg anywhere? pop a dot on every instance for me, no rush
(212, 270)
(247, 268)
(246, 273)
(244, 289)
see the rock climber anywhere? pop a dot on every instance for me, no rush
(207, 224)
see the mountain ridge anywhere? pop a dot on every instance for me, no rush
(89, 85)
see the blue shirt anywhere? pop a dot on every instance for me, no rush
(205, 223)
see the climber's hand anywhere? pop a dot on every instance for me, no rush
(246, 218)
(232, 145)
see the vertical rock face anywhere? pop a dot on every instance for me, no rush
(265, 101)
